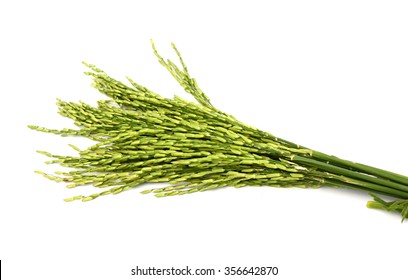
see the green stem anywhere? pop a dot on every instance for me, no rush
(349, 183)
(348, 164)
(361, 167)
(377, 184)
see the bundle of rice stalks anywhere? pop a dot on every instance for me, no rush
(145, 138)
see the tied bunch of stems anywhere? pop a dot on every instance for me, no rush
(142, 137)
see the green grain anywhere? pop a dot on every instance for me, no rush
(142, 137)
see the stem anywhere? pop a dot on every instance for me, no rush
(348, 164)
(362, 168)
(374, 183)
(332, 180)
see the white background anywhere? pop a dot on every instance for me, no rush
(331, 75)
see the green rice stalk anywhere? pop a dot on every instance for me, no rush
(142, 137)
